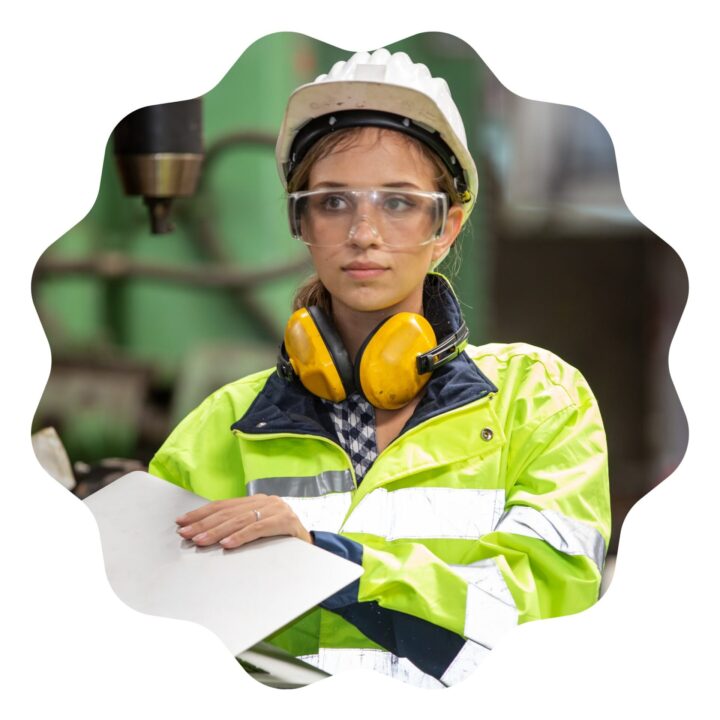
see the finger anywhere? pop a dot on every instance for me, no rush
(199, 513)
(268, 527)
(206, 510)
(209, 522)
(223, 529)
(278, 524)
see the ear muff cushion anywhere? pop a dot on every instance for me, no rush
(360, 353)
(335, 347)
(311, 359)
(386, 364)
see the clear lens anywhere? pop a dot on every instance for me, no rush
(393, 217)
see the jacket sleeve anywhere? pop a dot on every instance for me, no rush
(201, 454)
(543, 558)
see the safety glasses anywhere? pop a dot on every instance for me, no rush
(395, 218)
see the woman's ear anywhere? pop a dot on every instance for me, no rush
(453, 224)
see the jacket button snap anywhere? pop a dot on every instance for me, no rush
(261, 424)
(486, 434)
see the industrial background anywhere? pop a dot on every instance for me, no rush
(143, 325)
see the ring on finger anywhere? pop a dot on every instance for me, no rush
(257, 515)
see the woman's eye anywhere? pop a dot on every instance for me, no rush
(334, 202)
(398, 204)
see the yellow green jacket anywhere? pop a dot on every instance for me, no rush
(491, 508)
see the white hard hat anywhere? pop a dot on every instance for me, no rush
(380, 90)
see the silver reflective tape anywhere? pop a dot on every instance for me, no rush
(334, 660)
(565, 534)
(331, 481)
(490, 610)
(465, 663)
(427, 512)
(321, 513)
(486, 575)
(487, 617)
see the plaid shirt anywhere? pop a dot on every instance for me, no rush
(354, 421)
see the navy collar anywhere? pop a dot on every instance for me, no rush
(288, 407)
(441, 307)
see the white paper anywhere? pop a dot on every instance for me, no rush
(242, 595)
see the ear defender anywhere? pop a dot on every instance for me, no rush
(386, 367)
(313, 352)
(392, 366)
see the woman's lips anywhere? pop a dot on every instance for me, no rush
(363, 273)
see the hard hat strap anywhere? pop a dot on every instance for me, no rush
(310, 133)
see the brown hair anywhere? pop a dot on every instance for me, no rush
(312, 291)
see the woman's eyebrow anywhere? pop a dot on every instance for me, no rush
(401, 184)
(328, 184)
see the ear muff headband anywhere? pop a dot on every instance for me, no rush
(336, 348)
(386, 369)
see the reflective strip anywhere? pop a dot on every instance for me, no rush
(321, 513)
(486, 574)
(487, 617)
(331, 481)
(427, 512)
(334, 660)
(565, 534)
(490, 610)
(465, 663)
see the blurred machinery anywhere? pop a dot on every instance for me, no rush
(159, 152)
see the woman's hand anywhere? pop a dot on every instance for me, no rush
(237, 521)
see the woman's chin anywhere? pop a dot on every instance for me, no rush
(388, 291)
(368, 301)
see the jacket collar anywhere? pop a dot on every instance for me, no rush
(283, 407)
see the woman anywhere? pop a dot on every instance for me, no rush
(469, 482)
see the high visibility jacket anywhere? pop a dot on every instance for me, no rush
(491, 508)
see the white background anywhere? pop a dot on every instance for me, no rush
(70, 73)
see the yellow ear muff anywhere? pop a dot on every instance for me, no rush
(310, 357)
(386, 365)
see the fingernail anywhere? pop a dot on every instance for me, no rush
(180, 519)
(201, 536)
(225, 541)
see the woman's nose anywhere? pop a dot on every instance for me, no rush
(364, 232)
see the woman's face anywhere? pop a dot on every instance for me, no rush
(363, 274)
